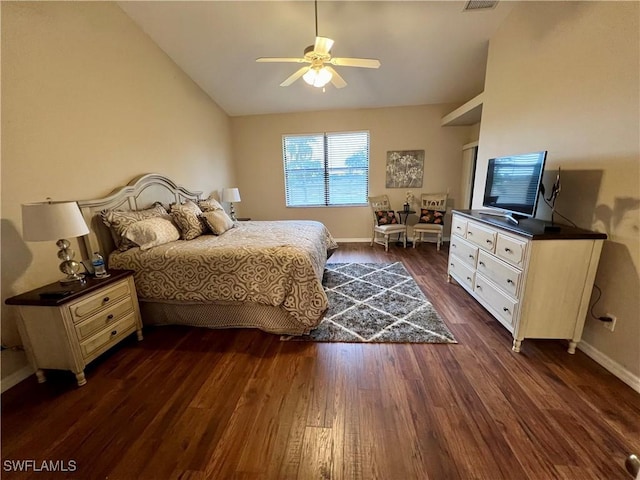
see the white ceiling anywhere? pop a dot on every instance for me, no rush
(431, 52)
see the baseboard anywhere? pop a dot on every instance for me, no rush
(353, 240)
(615, 368)
(15, 378)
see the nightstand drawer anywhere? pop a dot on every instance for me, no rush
(109, 336)
(104, 318)
(107, 297)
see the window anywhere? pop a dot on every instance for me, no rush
(329, 169)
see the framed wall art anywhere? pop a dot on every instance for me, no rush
(405, 168)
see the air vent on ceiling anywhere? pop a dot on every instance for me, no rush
(479, 5)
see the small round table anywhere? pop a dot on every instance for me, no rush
(406, 214)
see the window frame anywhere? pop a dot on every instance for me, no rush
(326, 168)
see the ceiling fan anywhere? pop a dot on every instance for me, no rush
(319, 72)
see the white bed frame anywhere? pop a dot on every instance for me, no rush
(140, 193)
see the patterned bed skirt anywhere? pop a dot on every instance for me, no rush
(247, 315)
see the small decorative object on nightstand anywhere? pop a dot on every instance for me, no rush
(68, 327)
(231, 195)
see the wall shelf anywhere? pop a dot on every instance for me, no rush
(467, 114)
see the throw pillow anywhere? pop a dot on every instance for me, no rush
(218, 221)
(431, 216)
(187, 217)
(118, 222)
(152, 232)
(209, 204)
(386, 217)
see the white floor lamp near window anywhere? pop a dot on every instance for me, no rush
(231, 195)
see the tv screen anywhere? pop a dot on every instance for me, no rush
(513, 183)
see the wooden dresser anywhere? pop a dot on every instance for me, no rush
(70, 331)
(537, 284)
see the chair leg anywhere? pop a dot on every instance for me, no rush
(415, 238)
(404, 239)
(386, 243)
(373, 238)
(439, 241)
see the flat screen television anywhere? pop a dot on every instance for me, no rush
(513, 184)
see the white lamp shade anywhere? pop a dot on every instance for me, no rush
(230, 195)
(52, 221)
(318, 77)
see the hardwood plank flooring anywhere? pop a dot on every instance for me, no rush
(190, 403)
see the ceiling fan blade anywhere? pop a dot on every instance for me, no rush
(323, 45)
(356, 62)
(280, 59)
(294, 77)
(336, 79)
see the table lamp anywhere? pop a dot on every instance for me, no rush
(231, 195)
(48, 221)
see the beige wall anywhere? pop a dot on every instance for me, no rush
(564, 77)
(89, 102)
(257, 149)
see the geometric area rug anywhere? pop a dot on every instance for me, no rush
(376, 303)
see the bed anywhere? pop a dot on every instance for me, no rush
(258, 274)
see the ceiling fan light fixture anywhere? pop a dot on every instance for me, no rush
(317, 76)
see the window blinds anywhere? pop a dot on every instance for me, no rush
(328, 169)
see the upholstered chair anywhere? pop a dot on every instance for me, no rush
(433, 207)
(385, 222)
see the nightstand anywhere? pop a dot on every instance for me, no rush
(68, 332)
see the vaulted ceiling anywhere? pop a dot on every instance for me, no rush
(431, 52)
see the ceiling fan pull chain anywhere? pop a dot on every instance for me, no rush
(316, 7)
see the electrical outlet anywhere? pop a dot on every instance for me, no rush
(612, 324)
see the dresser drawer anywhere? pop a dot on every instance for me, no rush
(105, 317)
(502, 274)
(483, 237)
(503, 306)
(107, 297)
(511, 249)
(459, 225)
(109, 335)
(461, 271)
(465, 251)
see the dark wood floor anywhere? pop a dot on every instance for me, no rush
(194, 403)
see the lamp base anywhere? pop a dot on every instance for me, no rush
(77, 278)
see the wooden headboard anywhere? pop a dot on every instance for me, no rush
(140, 193)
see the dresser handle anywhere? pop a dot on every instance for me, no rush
(114, 333)
(479, 287)
(505, 309)
(458, 228)
(507, 249)
(110, 317)
(509, 280)
(471, 256)
(452, 264)
(105, 299)
(454, 245)
(469, 233)
(469, 278)
(489, 241)
(481, 263)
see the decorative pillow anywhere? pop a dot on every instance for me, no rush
(218, 221)
(209, 204)
(386, 217)
(187, 217)
(152, 232)
(118, 221)
(431, 216)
